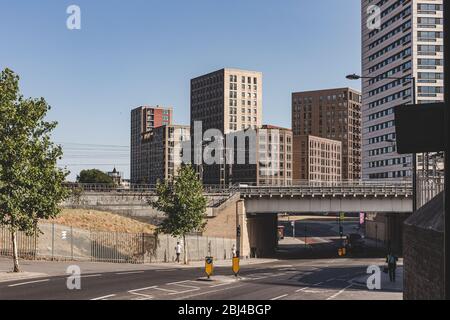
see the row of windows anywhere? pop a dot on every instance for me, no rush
(381, 126)
(389, 22)
(388, 162)
(401, 94)
(398, 56)
(430, 76)
(388, 175)
(381, 114)
(392, 46)
(233, 78)
(385, 137)
(429, 21)
(380, 151)
(429, 35)
(206, 81)
(390, 85)
(403, 67)
(387, 36)
(430, 90)
(234, 86)
(233, 94)
(234, 103)
(429, 49)
(430, 62)
(429, 7)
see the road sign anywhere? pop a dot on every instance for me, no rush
(292, 223)
(342, 216)
(209, 266)
(362, 218)
(236, 266)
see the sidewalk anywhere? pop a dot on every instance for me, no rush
(221, 263)
(42, 268)
(386, 285)
(10, 276)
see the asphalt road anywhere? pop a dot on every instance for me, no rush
(292, 279)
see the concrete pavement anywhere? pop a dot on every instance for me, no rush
(323, 279)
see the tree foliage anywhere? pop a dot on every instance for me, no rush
(94, 176)
(183, 202)
(31, 185)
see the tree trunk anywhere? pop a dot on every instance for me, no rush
(15, 254)
(185, 250)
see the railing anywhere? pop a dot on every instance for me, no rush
(429, 187)
(220, 189)
(58, 242)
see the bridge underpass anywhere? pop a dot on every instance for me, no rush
(385, 210)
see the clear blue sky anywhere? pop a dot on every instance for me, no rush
(136, 52)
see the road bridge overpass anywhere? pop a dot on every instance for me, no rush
(255, 209)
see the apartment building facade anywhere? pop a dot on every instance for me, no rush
(228, 100)
(143, 120)
(406, 41)
(333, 114)
(317, 159)
(272, 148)
(164, 152)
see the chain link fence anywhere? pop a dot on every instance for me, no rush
(58, 242)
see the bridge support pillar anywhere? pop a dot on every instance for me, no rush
(241, 224)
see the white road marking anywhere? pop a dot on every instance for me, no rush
(165, 270)
(142, 296)
(302, 289)
(207, 292)
(129, 272)
(104, 297)
(90, 275)
(29, 282)
(162, 289)
(340, 292)
(280, 297)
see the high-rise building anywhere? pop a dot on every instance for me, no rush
(163, 152)
(331, 114)
(143, 120)
(273, 159)
(400, 39)
(317, 159)
(228, 100)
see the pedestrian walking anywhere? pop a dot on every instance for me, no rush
(233, 251)
(178, 251)
(391, 261)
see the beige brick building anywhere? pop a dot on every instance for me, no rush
(273, 159)
(163, 146)
(229, 100)
(317, 159)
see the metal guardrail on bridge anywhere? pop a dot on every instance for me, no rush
(345, 188)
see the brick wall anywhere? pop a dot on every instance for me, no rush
(423, 253)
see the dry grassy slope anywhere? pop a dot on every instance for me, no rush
(101, 221)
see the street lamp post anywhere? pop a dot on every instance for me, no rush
(414, 101)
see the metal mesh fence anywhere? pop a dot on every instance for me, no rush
(58, 242)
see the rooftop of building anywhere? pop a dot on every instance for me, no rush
(270, 126)
(223, 70)
(330, 90)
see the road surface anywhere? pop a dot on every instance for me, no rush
(317, 279)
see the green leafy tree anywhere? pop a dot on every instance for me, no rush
(94, 176)
(184, 203)
(31, 185)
